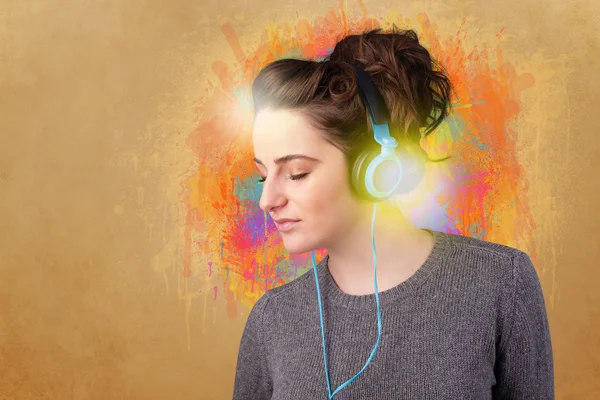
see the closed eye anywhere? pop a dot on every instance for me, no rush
(292, 177)
(299, 176)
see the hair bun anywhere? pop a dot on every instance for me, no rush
(413, 86)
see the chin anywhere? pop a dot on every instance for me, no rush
(297, 245)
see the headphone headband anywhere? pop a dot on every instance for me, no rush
(371, 96)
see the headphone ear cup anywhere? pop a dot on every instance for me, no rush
(358, 172)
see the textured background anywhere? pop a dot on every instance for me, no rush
(100, 104)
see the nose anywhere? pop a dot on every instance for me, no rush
(272, 196)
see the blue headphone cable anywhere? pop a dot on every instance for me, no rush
(378, 313)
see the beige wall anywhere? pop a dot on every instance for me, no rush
(96, 101)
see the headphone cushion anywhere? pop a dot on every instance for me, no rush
(358, 172)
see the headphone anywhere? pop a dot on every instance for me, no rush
(375, 173)
(364, 172)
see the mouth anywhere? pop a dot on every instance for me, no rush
(284, 225)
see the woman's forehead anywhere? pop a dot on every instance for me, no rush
(284, 131)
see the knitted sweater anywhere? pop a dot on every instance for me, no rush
(471, 323)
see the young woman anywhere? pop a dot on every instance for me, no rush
(392, 311)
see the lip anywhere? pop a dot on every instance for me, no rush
(284, 225)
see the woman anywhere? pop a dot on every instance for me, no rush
(392, 311)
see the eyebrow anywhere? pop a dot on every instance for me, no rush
(289, 157)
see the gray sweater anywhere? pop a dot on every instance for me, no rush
(471, 323)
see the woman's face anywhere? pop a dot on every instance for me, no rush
(305, 181)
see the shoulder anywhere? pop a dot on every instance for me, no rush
(470, 250)
(500, 277)
(490, 263)
(497, 268)
(469, 245)
(288, 294)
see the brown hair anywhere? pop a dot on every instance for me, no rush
(416, 93)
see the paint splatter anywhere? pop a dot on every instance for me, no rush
(479, 193)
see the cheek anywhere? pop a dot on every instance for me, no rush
(326, 198)
(314, 200)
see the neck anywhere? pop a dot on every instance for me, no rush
(400, 247)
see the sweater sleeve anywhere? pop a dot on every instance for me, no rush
(524, 365)
(252, 378)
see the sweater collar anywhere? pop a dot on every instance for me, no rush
(333, 293)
